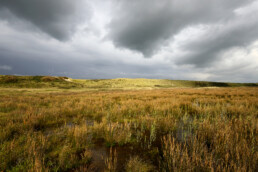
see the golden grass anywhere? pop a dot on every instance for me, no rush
(137, 164)
(181, 129)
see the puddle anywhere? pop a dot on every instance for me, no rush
(183, 134)
(99, 154)
(89, 122)
(184, 129)
(123, 154)
(143, 148)
(70, 125)
(67, 125)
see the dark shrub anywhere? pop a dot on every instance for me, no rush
(10, 79)
(49, 79)
(63, 77)
(37, 78)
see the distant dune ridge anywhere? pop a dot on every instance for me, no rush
(119, 83)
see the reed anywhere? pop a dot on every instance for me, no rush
(180, 129)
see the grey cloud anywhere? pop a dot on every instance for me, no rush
(5, 67)
(143, 26)
(97, 68)
(238, 33)
(241, 73)
(147, 25)
(57, 18)
(79, 68)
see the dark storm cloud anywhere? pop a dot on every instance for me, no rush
(77, 68)
(58, 18)
(147, 25)
(219, 42)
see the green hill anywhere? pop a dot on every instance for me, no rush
(8, 81)
(37, 82)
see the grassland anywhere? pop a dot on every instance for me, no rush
(106, 84)
(56, 124)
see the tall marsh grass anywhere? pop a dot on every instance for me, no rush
(181, 129)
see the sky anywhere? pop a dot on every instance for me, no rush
(210, 40)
